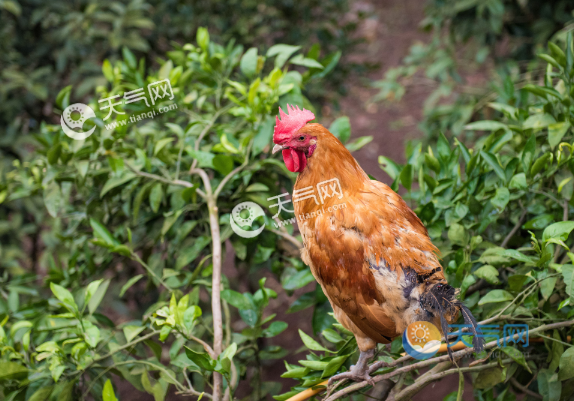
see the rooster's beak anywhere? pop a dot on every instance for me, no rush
(277, 148)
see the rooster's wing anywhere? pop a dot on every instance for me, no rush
(366, 256)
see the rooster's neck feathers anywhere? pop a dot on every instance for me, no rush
(330, 160)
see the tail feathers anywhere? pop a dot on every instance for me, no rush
(477, 339)
(438, 301)
(442, 299)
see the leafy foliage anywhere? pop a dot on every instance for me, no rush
(48, 45)
(128, 219)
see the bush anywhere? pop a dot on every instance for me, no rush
(499, 213)
(45, 46)
(133, 218)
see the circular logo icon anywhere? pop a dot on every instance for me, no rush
(73, 119)
(421, 340)
(244, 214)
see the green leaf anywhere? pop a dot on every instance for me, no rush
(274, 329)
(298, 280)
(108, 392)
(501, 198)
(296, 373)
(65, 297)
(491, 160)
(548, 385)
(516, 355)
(334, 365)
(159, 145)
(229, 352)
(568, 274)
(390, 167)
(538, 121)
(549, 59)
(248, 64)
(495, 296)
(556, 132)
(457, 234)
(332, 336)
(91, 334)
(91, 290)
(539, 222)
(42, 394)
(432, 162)
(540, 163)
(108, 70)
(12, 371)
(528, 153)
(518, 182)
(129, 57)
(132, 332)
(223, 164)
(406, 176)
(489, 378)
(200, 359)
(204, 159)
(155, 197)
(488, 273)
(98, 296)
(53, 199)
(314, 365)
(312, 344)
(236, 299)
(486, 125)
(560, 230)
(189, 254)
(283, 52)
(341, 128)
(358, 143)
(547, 287)
(306, 62)
(566, 365)
(130, 282)
(202, 38)
(102, 233)
(116, 182)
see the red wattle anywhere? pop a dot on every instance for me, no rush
(295, 160)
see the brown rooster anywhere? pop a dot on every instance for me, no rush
(368, 250)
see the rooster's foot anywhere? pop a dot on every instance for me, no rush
(358, 372)
(353, 375)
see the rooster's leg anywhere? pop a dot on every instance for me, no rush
(358, 372)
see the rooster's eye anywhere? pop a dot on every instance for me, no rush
(301, 138)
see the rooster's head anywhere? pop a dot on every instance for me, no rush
(296, 146)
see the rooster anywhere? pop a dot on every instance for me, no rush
(368, 250)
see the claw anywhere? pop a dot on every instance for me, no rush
(358, 377)
(358, 372)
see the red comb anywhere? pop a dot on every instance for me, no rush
(290, 123)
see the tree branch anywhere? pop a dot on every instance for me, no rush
(456, 355)
(524, 389)
(287, 236)
(514, 229)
